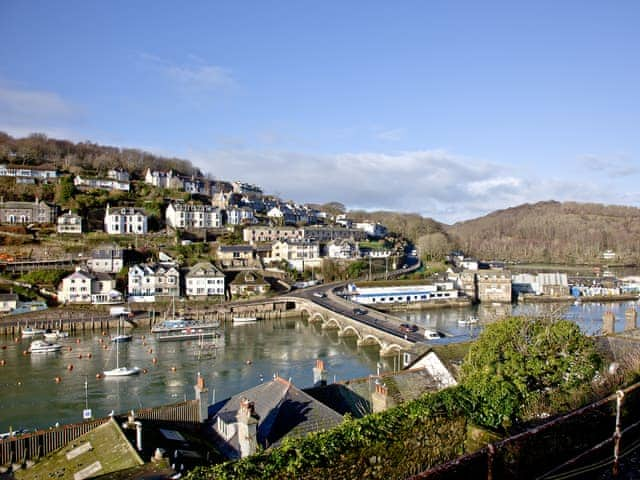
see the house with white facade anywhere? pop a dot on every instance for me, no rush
(8, 302)
(33, 172)
(106, 259)
(69, 223)
(119, 174)
(189, 215)
(193, 185)
(297, 253)
(240, 216)
(148, 281)
(241, 187)
(343, 249)
(83, 287)
(161, 179)
(86, 183)
(204, 280)
(125, 220)
(374, 230)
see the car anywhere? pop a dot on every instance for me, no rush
(408, 328)
(359, 311)
(319, 294)
(432, 334)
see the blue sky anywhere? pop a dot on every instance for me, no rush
(447, 108)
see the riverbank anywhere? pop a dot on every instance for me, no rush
(530, 298)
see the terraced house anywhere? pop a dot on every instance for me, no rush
(192, 216)
(203, 280)
(38, 211)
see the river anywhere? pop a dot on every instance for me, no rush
(31, 398)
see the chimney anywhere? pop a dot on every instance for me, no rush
(247, 428)
(201, 397)
(609, 323)
(630, 317)
(380, 399)
(319, 374)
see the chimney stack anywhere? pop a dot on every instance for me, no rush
(201, 397)
(380, 399)
(609, 323)
(631, 317)
(319, 374)
(247, 428)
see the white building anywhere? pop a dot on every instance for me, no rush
(118, 174)
(152, 280)
(125, 220)
(241, 187)
(163, 179)
(104, 183)
(343, 249)
(240, 216)
(375, 230)
(83, 287)
(402, 293)
(203, 279)
(188, 215)
(106, 259)
(28, 171)
(69, 223)
(298, 254)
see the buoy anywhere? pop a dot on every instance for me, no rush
(89, 355)
(102, 340)
(19, 383)
(154, 360)
(248, 362)
(173, 369)
(104, 334)
(2, 362)
(70, 349)
(144, 343)
(25, 352)
(151, 350)
(143, 337)
(69, 367)
(105, 347)
(58, 379)
(98, 375)
(17, 340)
(144, 370)
(77, 340)
(80, 355)
(4, 347)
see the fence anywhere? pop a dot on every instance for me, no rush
(548, 449)
(42, 442)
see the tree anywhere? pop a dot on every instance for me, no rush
(520, 360)
(65, 190)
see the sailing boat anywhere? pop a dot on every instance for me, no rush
(121, 337)
(120, 371)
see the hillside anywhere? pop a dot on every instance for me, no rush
(553, 232)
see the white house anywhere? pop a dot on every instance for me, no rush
(125, 220)
(240, 216)
(375, 230)
(104, 183)
(107, 259)
(298, 254)
(69, 223)
(193, 185)
(151, 280)
(163, 179)
(28, 171)
(343, 249)
(118, 174)
(189, 215)
(8, 302)
(86, 287)
(203, 279)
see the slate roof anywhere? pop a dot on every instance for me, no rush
(236, 248)
(282, 411)
(203, 269)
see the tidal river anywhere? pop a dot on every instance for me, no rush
(30, 396)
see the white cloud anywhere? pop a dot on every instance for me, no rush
(195, 76)
(24, 111)
(611, 165)
(391, 135)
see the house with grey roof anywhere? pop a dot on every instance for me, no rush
(236, 255)
(249, 283)
(8, 302)
(69, 223)
(38, 211)
(264, 416)
(203, 280)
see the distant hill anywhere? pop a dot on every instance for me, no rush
(552, 232)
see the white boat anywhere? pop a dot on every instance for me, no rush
(121, 338)
(120, 371)
(32, 332)
(468, 321)
(42, 346)
(188, 334)
(52, 336)
(431, 334)
(239, 320)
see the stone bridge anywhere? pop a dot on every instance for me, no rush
(390, 344)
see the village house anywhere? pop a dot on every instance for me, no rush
(249, 283)
(83, 287)
(38, 211)
(263, 416)
(69, 223)
(203, 280)
(161, 179)
(153, 280)
(374, 230)
(494, 286)
(119, 174)
(125, 220)
(240, 216)
(235, 255)
(297, 253)
(192, 216)
(8, 302)
(107, 259)
(30, 172)
(193, 185)
(342, 249)
(86, 183)
(246, 188)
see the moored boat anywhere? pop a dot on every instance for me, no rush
(188, 334)
(32, 332)
(122, 372)
(42, 346)
(121, 338)
(53, 335)
(471, 320)
(240, 320)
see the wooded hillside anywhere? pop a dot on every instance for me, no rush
(553, 232)
(38, 149)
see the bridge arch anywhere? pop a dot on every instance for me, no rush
(332, 323)
(370, 339)
(350, 331)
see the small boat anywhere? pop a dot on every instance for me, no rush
(41, 346)
(188, 334)
(32, 332)
(53, 335)
(170, 327)
(122, 372)
(121, 338)
(468, 321)
(240, 320)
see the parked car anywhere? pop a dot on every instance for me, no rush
(432, 334)
(320, 294)
(359, 311)
(408, 328)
